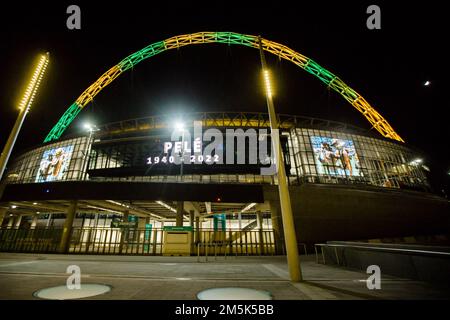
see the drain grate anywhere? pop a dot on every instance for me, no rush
(63, 293)
(234, 294)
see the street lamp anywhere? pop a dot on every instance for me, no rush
(24, 107)
(180, 126)
(180, 205)
(293, 258)
(91, 129)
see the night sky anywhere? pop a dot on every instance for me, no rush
(388, 67)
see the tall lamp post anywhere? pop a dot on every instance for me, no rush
(180, 204)
(293, 258)
(91, 129)
(24, 107)
(180, 126)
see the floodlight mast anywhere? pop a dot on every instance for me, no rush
(293, 258)
(24, 107)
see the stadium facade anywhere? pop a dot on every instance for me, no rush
(120, 187)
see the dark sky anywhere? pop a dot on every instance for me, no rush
(388, 67)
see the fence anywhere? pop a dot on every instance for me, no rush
(126, 241)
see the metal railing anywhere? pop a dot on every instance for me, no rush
(128, 241)
(42, 240)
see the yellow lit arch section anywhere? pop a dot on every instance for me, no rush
(307, 64)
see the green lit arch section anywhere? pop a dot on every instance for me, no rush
(307, 64)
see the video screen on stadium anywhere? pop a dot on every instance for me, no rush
(54, 164)
(335, 156)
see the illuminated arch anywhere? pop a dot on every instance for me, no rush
(356, 100)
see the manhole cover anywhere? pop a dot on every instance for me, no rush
(234, 294)
(63, 293)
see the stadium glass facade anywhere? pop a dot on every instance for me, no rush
(312, 155)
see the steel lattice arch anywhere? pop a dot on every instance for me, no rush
(230, 38)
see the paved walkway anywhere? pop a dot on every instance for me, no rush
(155, 277)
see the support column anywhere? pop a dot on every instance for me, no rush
(240, 220)
(180, 211)
(49, 220)
(123, 232)
(277, 226)
(197, 229)
(34, 221)
(259, 216)
(191, 223)
(191, 218)
(3, 213)
(10, 221)
(18, 221)
(67, 228)
(141, 228)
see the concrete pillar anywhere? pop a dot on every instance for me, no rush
(191, 218)
(197, 229)
(141, 228)
(17, 221)
(49, 220)
(277, 226)
(34, 221)
(259, 217)
(67, 228)
(259, 220)
(123, 232)
(10, 221)
(240, 220)
(3, 213)
(180, 211)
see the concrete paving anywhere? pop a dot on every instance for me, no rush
(181, 278)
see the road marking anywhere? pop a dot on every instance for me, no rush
(17, 263)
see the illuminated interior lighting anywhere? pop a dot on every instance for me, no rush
(251, 205)
(103, 209)
(165, 205)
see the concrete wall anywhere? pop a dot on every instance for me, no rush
(336, 212)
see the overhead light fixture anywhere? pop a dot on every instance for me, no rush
(179, 125)
(251, 205)
(427, 83)
(13, 206)
(165, 205)
(416, 162)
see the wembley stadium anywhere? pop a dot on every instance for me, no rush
(346, 183)
(116, 188)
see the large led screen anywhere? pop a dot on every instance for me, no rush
(54, 164)
(335, 156)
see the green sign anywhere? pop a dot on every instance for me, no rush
(148, 231)
(220, 220)
(115, 223)
(173, 228)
